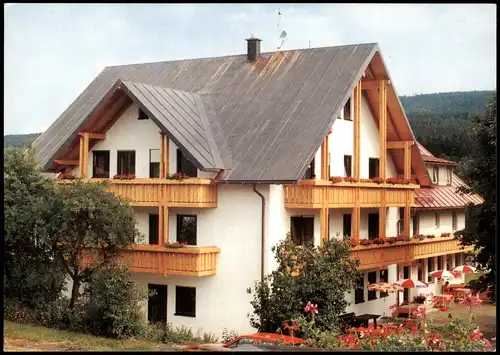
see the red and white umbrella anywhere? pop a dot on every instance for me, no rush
(444, 274)
(409, 283)
(464, 269)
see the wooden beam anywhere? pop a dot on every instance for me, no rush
(406, 217)
(356, 217)
(357, 128)
(398, 144)
(67, 162)
(382, 93)
(374, 84)
(167, 155)
(162, 155)
(382, 215)
(323, 222)
(324, 159)
(407, 161)
(80, 157)
(93, 135)
(85, 155)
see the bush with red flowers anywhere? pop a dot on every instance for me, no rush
(67, 176)
(124, 177)
(402, 238)
(176, 176)
(349, 179)
(378, 180)
(418, 237)
(365, 180)
(379, 240)
(366, 242)
(353, 242)
(336, 179)
(175, 245)
(391, 240)
(397, 181)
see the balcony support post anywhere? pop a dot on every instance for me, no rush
(382, 215)
(84, 155)
(407, 161)
(356, 216)
(163, 216)
(357, 129)
(323, 222)
(325, 174)
(406, 218)
(382, 126)
(164, 155)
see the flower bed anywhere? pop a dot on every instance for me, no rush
(124, 177)
(176, 176)
(175, 245)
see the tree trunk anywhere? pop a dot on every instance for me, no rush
(75, 291)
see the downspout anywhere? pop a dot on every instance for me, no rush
(263, 239)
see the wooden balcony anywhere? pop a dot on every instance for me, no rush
(313, 193)
(377, 256)
(193, 192)
(155, 259)
(188, 261)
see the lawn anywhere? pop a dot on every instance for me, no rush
(26, 337)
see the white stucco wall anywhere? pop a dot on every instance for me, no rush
(129, 133)
(427, 222)
(341, 142)
(234, 226)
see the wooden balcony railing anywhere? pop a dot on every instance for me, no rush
(311, 194)
(155, 259)
(193, 192)
(376, 256)
(188, 261)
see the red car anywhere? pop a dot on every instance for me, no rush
(264, 338)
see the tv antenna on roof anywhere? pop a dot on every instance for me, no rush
(283, 33)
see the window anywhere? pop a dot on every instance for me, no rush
(437, 219)
(241, 342)
(142, 115)
(329, 160)
(347, 220)
(153, 229)
(302, 230)
(373, 219)
(359, 292)
(420, 271)
(384, 277)
(448, 176)
(185, 166)
(185, 301)
(457, 259)
(454, 221)
(373, 168)
(435, 175)
(310, 171)
(416, 223)
(347, 165)
(430, 268)
(372, 278)
(154, 163)
(126, 162)
(157, 303)
(100, 164)
(401, 222)
(440, 263)
(347, 110)
(186, 229)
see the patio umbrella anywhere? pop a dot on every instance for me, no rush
(444, 274)
(409, 283)
(464, 269)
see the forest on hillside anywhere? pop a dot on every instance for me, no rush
(439, 121)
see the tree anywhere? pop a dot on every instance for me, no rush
(320, 275)
(84, 220)
(480, 173)
(31, 275)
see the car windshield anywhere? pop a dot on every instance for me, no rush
(241, 342)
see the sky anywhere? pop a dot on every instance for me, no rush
(53, 51)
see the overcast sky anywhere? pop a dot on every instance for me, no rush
(53, 51)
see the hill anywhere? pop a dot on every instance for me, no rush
(19, 140)
(447, 102)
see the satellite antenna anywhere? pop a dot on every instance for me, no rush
(283, 33)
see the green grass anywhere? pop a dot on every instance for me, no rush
(33, 337)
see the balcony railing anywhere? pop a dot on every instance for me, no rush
(155, 259)
(193, 192)
(311, 194)
(382, 255)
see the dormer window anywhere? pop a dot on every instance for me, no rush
(448, 175)
(435, 175)
(142, 115)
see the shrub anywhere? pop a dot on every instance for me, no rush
(228, 335)
(379, 240)
(209, 338)
(366, 242)
(320, 275)
(16, 311)
(164, 332)
(112, 306)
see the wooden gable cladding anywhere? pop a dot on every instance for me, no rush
(397, 126)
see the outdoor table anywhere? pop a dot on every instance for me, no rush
(366, 317)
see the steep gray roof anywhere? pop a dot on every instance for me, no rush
(259, 122)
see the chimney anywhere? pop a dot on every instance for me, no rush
(253, 48)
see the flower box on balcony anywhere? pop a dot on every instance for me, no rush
(124, 177)
(67, 176)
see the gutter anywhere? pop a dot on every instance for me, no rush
(263, 219)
